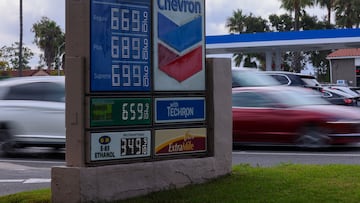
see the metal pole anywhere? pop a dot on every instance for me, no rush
(21, 40)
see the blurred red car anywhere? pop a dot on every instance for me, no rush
(282, 115)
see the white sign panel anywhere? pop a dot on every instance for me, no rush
(120, 145)
(179, 45)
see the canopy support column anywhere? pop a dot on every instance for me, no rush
(268, 60)
(277, 60)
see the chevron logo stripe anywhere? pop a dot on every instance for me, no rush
(180, 68)
(166, 56)
(180, 37)
(166, 25)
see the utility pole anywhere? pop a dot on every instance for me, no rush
(21, 40)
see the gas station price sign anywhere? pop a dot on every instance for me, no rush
(120, 111)
(120, 45)
(120, 145)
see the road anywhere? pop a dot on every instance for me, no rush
(31, 171)
(28, 171)
(273, 156)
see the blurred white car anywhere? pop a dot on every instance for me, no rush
(32, 112)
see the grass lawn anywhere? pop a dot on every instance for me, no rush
(282, 183)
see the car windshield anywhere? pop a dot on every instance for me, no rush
(251, 78)
(356, 89)
(299, 97)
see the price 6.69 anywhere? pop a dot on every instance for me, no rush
(135, 111)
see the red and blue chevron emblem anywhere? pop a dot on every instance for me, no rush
(179, 55)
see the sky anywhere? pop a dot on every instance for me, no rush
(217, 11)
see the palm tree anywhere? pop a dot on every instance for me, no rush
(347, 13)
(21, 40)
(49, 38)
(329, 5)
(240, 23)
(236, 23)
(296, 6)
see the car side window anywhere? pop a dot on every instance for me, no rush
(250, 99)
(40, 91)
(282, 79)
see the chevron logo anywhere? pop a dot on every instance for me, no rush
(178, 55)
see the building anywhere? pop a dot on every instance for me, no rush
(345, 66)
(29, 72)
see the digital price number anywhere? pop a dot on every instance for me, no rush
(130, 47)
(120, 145)
(122, 56)
(120, 111)
(126, 75)
(134, 146)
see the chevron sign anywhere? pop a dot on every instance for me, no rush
(179, 45)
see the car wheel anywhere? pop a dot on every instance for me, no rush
(313, 137)
(6, 145)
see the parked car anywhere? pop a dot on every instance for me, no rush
(339, 97)
(291, 116)
(249, 77)
(295, 79)
(32, 112)
(355, 91)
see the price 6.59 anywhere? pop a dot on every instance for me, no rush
(135, 111)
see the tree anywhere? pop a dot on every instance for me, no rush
(4, 65)
(236, 23)
(296, 6)
(240, 23)
(347, 13)
(48, 37)
(10, 56)
(318, 57)
(281, 23)
(321, 64)
(329, 5)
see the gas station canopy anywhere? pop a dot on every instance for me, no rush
(309, 40)
(273, 43)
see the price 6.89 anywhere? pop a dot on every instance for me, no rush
(135, 111)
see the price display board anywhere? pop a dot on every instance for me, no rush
(147, 59)
(120, 45)
(120, 111)
(120, 145)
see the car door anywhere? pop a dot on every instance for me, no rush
(36, 109)
(259, 119)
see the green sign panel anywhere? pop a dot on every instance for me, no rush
(106, 112)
